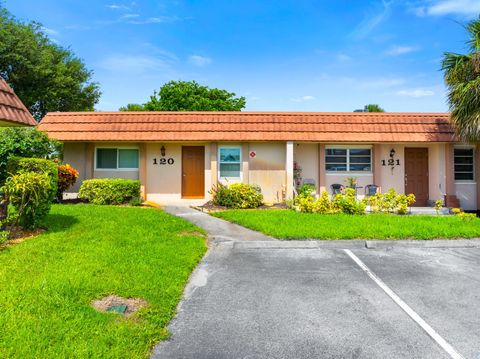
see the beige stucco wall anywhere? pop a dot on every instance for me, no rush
(306, 156)
(76, 154)
(164, 182)
(396, 178)
(267, 169)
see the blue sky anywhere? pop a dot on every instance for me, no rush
(282, 55)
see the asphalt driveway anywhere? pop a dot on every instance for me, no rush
(287, 300)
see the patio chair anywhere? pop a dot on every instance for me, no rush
(371, 190)
(309, 181)
(337, 188)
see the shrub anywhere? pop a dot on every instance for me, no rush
(24, 142)
(67, 176)
(29, 195)
(390, 202)
(38, 165)
(110, 191)
(237, 195)
(347, 203)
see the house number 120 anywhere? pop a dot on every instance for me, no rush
(163, 161)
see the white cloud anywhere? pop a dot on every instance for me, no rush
(343, 58)
(303, 98)
(465, 8)
(400, 50)
(153, 20)
(49, 31)
(129, 16)
(125, 63)
(199, 60)
(416, 93)
(372, 19)
(381, 82)
(118, 7)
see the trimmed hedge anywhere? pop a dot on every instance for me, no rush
(110, 191)
(237, 195)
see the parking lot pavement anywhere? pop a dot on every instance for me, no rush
(254, 302)
(442, 285)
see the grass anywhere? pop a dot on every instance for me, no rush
(47, 283)
(287, 224)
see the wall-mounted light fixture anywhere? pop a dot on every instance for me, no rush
(392, 153)
(162, 151)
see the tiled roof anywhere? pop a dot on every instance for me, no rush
(11, 108)
(249, 126)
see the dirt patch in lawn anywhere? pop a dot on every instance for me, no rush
(116, 304)
(19, 235)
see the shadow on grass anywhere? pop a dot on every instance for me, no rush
(59, 222)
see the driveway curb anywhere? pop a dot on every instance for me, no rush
(359, 244)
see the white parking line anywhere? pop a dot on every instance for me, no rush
(411, 313)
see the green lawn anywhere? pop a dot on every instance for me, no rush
(47, 283)
(287, 224)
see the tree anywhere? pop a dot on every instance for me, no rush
(462, 77)
(45, 76)
(132, 107)
(189, 96)
(373, 108)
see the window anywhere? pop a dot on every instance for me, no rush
(229, 162)
(464, 164)
(348, 159)
(117, 158)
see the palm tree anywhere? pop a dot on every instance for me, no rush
(462, 77)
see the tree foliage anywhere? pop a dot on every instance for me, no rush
(189, 96)
(462, 77)
(373, 108)
(44, 75)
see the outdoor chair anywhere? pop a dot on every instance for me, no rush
(310, 182)
(337, 188)
(371, 190)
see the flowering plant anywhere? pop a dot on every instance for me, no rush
(67, 176)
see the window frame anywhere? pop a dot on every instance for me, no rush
(117, 148)
(473, 164)
(348, 148)
(240, 178)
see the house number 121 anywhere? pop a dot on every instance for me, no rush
(163, 161)
(391, 162)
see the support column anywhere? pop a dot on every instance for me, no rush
(89, 160)
(245, 162)
(322, 178)
(377, 166)
(142, 169)
(477, 174)
(289, 171)
(214, 163)
(450, 195)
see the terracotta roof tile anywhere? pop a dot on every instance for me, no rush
(12, 108)
(249, 126)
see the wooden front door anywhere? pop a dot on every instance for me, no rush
(193, 172)
(416, 174)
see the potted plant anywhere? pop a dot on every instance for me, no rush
(351, 182)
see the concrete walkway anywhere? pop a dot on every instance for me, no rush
(218, 229)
